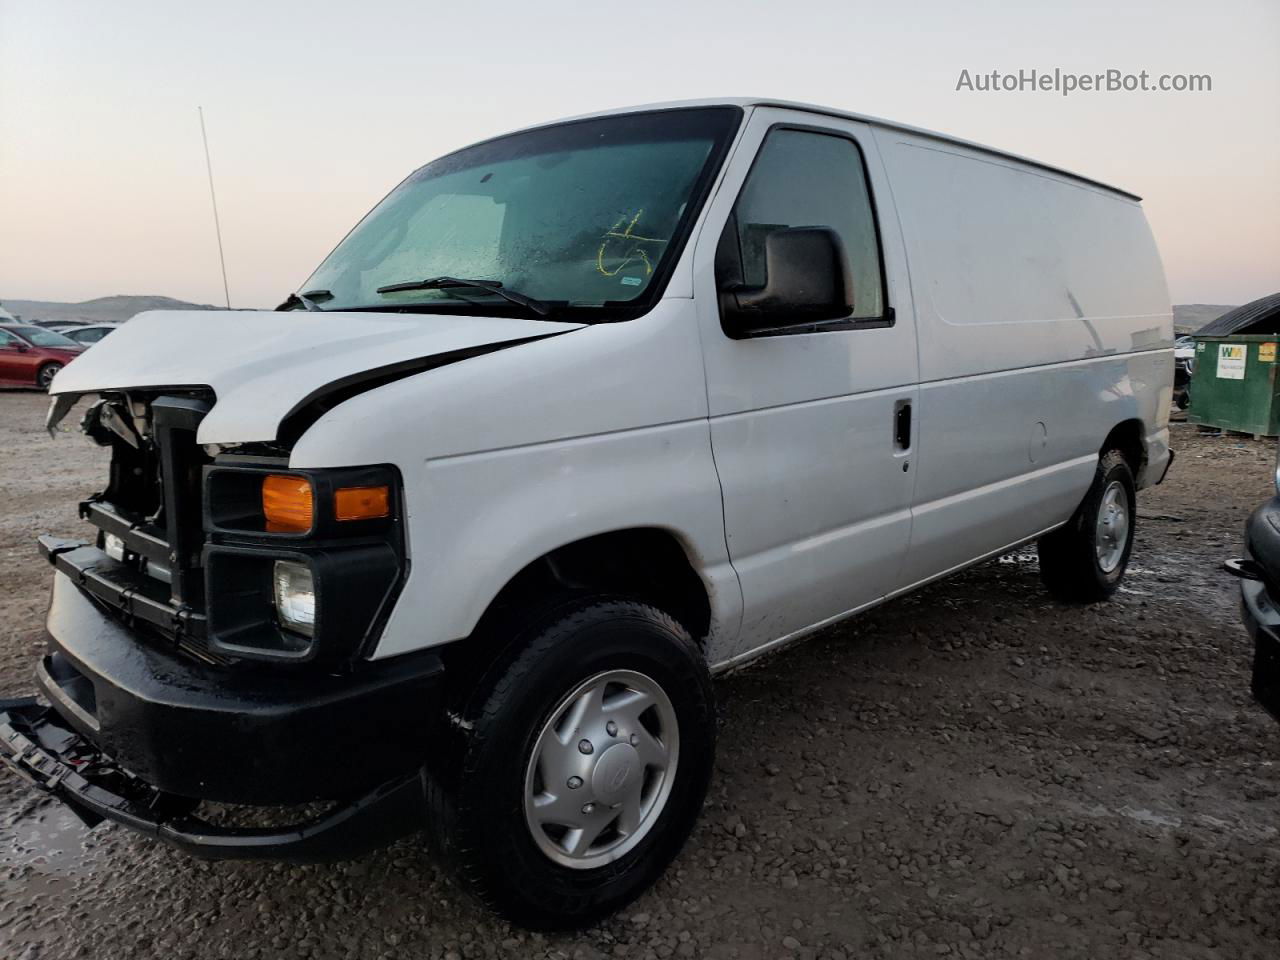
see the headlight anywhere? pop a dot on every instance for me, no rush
(300, 566)
(295, 597)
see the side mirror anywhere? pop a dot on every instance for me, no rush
(22, 347)
(807, 280)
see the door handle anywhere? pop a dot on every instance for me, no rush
(902, 425)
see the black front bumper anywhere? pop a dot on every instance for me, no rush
(246, 733)
(139, 729)
(38, 745)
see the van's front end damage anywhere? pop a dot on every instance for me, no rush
(210, 643)
(213, 639)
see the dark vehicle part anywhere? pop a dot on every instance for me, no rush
(44, 378)
(309, 300)
(1084, 560)
(807, 281)
(477, 800)
(1262, 619)
(103, 419)
(235, 733)
(39, 746)
(537, 307)
(179, 525)
(1259, 573)
(358, 566)
(1182, 382)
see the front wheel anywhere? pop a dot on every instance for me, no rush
(1085, 560)
(585, 765)
(45, 375)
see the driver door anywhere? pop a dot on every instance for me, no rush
(811, 428)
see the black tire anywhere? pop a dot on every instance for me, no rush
(476, 804)
(45, 375)
(1069, 562)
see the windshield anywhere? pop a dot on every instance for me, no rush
(586, 217)
(44, 338)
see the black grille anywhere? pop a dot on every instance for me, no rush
(153, 505)
(174, 421)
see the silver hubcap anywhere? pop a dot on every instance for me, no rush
(601, 769)
(47, 374)
(1112, 530)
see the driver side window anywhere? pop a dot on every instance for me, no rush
(7, 340)
(806, 179)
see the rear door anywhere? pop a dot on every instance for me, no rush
(811, 430)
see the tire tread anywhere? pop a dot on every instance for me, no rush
(1068, 561)
(453, 803)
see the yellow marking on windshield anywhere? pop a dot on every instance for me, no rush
(615, 233)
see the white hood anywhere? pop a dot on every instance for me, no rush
(260, 363)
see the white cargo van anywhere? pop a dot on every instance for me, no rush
(576, 418)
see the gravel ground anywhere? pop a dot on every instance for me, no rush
(974, 770)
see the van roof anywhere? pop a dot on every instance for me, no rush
(864, 118)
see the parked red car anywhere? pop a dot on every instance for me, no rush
(30, 356)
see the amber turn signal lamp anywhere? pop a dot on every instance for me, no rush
(287, 503)
(362, 503)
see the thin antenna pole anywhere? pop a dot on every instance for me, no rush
(217, 227)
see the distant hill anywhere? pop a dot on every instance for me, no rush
(1190, 317)
(116, 309)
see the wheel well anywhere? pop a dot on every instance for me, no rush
(1127, 438)
(646, 564)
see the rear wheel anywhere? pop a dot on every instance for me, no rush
(1085, 560)
(585, 766)
(45, 375)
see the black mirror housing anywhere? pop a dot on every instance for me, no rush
(807, 280)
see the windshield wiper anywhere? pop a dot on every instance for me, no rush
(491, 286)
(307, 300)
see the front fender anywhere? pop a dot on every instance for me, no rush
(476, 520)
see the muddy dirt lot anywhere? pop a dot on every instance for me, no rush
(974, 770)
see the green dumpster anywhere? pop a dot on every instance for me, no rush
(1234, 385)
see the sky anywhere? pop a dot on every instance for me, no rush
(315, 110)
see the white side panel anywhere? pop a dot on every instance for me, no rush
(1043, 322)
(1025, 463)
(1013, 266)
